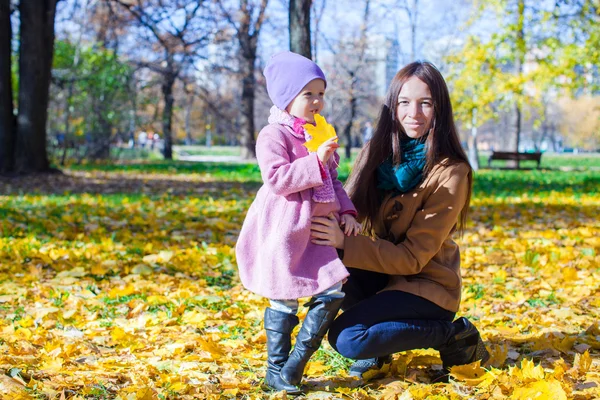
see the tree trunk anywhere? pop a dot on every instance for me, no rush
(247, 115)
(167, 118)
(519, 61)
(35, 63)
(7, 119)
(517, 131)
(188, 119)
(299, 20)
(473, 153)
(348, 127)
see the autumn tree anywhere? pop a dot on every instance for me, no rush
(520, 63)
(580, 122)
(168, 38)
(247, 20)
(349, 71)
(92, 98)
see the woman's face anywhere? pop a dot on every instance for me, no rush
(415, 108)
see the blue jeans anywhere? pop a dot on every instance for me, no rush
(378, 324)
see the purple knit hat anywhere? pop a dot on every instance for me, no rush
(287, 73)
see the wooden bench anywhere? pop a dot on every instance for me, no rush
(514, 156)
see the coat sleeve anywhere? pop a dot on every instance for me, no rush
(279, 173)
(429, 229)
(346, 205)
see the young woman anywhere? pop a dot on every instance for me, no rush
(411, 186)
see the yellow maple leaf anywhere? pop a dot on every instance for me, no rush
(320, 132)
(472, 374)
(583, 362)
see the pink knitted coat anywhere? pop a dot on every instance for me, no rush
(274, 254)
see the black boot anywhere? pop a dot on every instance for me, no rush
(464, 347)
(315, 325)
(279, 327)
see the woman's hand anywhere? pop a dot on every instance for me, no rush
(325, 231)
(350, 225)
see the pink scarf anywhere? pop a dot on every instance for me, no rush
(321, 194)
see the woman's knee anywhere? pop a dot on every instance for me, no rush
(348, 342)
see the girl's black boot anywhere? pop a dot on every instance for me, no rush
(279, 327)
(321, 313)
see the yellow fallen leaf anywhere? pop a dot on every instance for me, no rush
(315, 368)
(569, 274)
(542, 390)
(583, 362)
(472, 374)
(121, 291)
(12, 389)
(23, 333)
(52, 365)
(320, 132)
(8, 298)
(146, 394)
(210, 347)
(231, 392)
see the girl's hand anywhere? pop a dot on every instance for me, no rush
(326, 149)
(350, 224)
(325, 231)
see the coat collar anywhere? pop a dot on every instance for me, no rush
(294, 125)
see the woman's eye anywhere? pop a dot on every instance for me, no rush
(426, 103)
(403, 102)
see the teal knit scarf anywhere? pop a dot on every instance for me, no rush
(408, 174)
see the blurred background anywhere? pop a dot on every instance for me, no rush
(131, 79)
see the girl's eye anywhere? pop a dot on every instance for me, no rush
(426, 103)
(403, 102)
(307, 94)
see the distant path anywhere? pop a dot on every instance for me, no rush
(207, 158)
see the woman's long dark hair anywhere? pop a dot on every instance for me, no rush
(442, 142)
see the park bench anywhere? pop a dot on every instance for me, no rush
(514, 156)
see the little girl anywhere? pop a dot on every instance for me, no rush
(275, 256)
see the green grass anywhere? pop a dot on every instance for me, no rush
(209, 151)
(552, 161)
(223, 171)
(487, 181)
(534, 182)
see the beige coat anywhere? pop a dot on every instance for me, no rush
(413, 240)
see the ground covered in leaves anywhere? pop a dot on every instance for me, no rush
(120, 283)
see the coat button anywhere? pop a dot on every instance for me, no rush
(398, 206)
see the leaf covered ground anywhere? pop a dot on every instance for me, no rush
(120, 283)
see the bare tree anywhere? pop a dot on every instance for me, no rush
(412, 12)
(7, 120)
(318, 16)
(299, 19)
(177, 30)
(353, 68)
(247, 27)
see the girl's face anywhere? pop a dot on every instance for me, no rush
(310, 101)
(415, 108)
